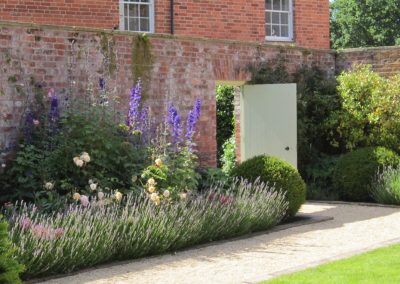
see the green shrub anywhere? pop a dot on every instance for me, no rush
(386, 186)
(105, 230)
(211, 177)
(225, 116)
(228, 159)
(369, 115)
(355, 171)
(320, 178)
(9, 267)
(276, 172)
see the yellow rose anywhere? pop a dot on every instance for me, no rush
(151, 182)
(118, 196)
(76, 196)
(167, 194)
(154, 197)
(183, 196)
(49, 186)
(152, 189)
(85, 157)
(158, 162)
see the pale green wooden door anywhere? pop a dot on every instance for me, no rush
(268, 121)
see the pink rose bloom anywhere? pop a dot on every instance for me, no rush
(50, 93)
(26, 223)
(59, 232)
(40, 231)
(84, 200)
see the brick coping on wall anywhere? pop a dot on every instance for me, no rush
(366, 49)
(272, 45)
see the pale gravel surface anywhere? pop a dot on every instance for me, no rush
(353, 230)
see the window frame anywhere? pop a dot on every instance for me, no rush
(122, 15)
(290, 36)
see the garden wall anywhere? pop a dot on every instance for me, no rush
(384, 60)
(71, 60)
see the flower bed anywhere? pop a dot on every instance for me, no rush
(105, 230)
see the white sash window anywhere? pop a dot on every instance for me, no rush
(279, 20)
(136, 15)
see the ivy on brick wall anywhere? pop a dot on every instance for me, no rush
(107, 44)
(142, 60)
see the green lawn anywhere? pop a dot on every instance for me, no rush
(379, 266)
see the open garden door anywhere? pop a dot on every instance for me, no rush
(268, 121)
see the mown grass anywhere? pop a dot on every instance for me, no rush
(379, 266)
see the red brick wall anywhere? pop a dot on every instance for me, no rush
(183, 69)
(228, 19)
(223, 19)
(384, 60)
(311, 19)
(83, 13)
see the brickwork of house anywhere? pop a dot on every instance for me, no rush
(224, 19)
(183, 69)
(384, 60)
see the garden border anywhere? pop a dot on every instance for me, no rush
(301, 219)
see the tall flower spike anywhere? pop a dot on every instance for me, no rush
(134, 104)
(193, 118)
(175, 122)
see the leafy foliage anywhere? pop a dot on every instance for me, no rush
(386, 186)
(10, 269)
(369, 114)
(357, 23)
(228, 158)
(225, 117)
(280, 174)
(355, 171)
(213, 176)
(99, 233)
(319, 175)
(317, 98)
(270, 72)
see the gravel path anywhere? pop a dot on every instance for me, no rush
(353, 230)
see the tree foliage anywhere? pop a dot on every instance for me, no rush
(369, 113)
(363, 23)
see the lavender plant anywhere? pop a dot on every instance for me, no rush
(386, 187)
(107, 230)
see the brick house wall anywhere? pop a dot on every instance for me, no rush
(184, 68)
(224, 19)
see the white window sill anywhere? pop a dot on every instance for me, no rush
(280, 39)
